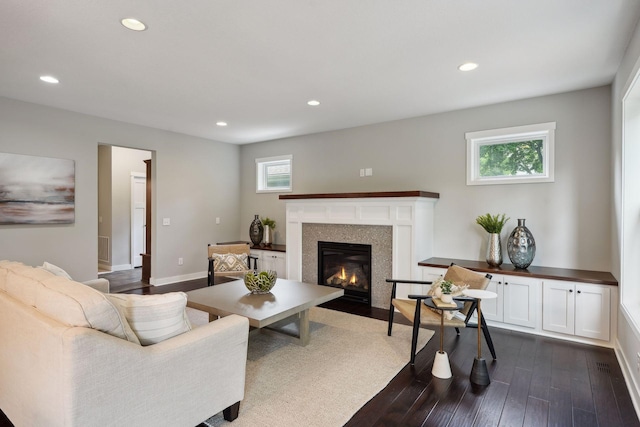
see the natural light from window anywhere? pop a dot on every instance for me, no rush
(273, 174)
(511, 155)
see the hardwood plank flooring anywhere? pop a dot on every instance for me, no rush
(536, 381)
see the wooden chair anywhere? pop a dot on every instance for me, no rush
(235, 249)
(412, 308)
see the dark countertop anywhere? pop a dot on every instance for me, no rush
(585, 276)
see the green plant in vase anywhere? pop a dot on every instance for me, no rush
(446, 287)
(269, 225)
(493, 225)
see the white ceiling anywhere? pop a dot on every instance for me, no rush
(256, 63)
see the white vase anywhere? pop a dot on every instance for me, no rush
(446, 298)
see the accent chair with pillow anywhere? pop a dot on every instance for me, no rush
(74, 356)
(413, 309)
(232, 260)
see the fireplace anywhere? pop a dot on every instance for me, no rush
(346, 266)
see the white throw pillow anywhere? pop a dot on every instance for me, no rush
(154, 318)
(54, 269)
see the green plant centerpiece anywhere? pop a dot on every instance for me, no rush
(268, 225)
(260, 283)
(268, 222)
(493, 225)
(446, 288)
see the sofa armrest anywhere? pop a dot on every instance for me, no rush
(181, 381)
(100, 284)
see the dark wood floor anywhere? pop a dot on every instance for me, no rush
(536, 381)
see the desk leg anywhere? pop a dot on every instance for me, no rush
(304, 327)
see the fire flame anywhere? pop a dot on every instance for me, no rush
(343, 275)
(353, 280)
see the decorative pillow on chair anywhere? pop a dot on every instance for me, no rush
(229, 262)
(154, 318)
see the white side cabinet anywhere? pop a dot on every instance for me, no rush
(272, 260)
(578, 309)
(518, 301)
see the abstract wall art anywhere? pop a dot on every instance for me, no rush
(36, 190)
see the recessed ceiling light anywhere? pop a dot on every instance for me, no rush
(221, 123)
(133, 24)
(49, 79)
(468, 66)
(313, 103)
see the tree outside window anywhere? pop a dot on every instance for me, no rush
(511, 155)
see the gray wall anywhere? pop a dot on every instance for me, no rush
(628, 329)
(569, 217)
(195, 180)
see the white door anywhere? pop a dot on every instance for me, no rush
(138, 218)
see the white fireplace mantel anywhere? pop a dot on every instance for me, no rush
(410, 213)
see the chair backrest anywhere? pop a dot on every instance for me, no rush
(241, 248)
(462, 276)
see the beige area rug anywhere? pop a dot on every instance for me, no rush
(348, 361)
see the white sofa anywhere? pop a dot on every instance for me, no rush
(65, 360)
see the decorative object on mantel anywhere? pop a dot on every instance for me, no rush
(521, 246)
(256, 231)
(260, 283)
(269, 225)
(493, 225)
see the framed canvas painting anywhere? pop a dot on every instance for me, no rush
(36, 190)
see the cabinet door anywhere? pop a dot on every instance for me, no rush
(521, 300)
(558, 306)
(492, 309)
(593, 311)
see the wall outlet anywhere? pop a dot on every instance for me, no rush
(361, 172)
(166, 221)
(368, 172)
(217, 220)
(180, 261)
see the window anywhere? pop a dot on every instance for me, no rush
(273, 174)
(511, 155)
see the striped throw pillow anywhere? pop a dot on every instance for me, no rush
(154, 318)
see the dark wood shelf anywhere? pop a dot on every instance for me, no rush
(366, 195)
(273, 248)
(584, 276)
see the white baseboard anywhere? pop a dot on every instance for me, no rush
(632, 385)
(113, 268)
(175, 279)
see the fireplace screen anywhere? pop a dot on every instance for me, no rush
(346, 266)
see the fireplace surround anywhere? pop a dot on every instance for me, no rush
(408, 215)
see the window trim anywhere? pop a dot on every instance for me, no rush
(260, 165)
(544, 131)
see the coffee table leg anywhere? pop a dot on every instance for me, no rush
(304, 327)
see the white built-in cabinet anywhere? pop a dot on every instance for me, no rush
(579, 309)
(271, 260)
(563, 309)
(518, 298)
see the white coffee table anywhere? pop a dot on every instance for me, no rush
(287, 302)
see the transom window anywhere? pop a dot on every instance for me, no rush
(273, 174)
(511, 155)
